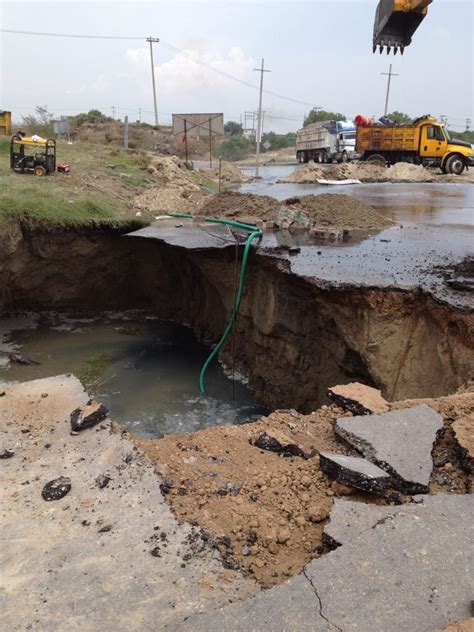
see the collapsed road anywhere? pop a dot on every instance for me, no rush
(250, 504)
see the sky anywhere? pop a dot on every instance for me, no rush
(319, 54)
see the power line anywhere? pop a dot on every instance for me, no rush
(166, 45)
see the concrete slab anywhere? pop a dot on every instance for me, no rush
(400, 442)
(291, 606)
(187, 234)
(408, 572)
(358, 398)
(411, 572)
(354, 471)
(85, 562)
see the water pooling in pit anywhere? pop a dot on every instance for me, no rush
(146, 372)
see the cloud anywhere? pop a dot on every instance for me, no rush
(181, 76)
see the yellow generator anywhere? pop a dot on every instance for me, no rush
(5, 123)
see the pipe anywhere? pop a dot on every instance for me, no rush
(254, 233)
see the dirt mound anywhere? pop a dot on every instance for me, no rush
(343, 212)
(309, 212)
(229, 173)
(267, 510)
(177, 191)
(363, 171)
(239, 206)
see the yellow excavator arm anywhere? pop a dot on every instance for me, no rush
(396, 21)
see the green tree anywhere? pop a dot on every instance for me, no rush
(279, 141)
(401, 118)
(235, 148)
(231, 128)
(92, 117)
(315, 116)
(40, 122)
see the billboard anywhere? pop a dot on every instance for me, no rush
(202, 124)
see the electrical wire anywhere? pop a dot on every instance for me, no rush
(168, 45)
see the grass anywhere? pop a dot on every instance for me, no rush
(206, 182)
(90, 375)
(100, 189)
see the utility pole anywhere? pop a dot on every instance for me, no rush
(113, 111)
(152, 40)
(468, 125)
(388, 74)
(125, 132)
(259, 121)
(140, 114)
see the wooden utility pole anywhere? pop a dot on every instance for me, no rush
(125, 132)
(388, 74)
(259, 121)
(152, 40)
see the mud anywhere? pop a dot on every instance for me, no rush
(271, 510)
(366, 172)
(307, 212)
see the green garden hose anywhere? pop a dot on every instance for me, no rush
(254, 233)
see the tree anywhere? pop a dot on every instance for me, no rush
(231, 128)
(323, 115)
(400, 118)
(279, 141)
(93, 116)
(235, 148)
(40, 122)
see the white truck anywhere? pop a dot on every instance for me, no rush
(326, 141)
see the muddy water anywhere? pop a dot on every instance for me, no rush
(146, 372)
(436, 227)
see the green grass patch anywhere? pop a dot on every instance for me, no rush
(93, 370)
(206, 182)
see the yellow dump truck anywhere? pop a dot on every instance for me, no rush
(5, 123)
(425, 142)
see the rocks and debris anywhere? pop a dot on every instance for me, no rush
(105, 529)
(102, 481)
(358, 398)
(412, 564)
(325, 216)
(277, 441)
(464, 434)
(56, 489)
(367, 172)
(16, 358)
(6, 454)
(354, 471)
(229, 173)
(88, 416)
(399, 441)
(459, 276)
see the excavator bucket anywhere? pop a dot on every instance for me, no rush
(395, 23)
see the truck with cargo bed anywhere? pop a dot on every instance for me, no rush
(326, 141)
(425, 142)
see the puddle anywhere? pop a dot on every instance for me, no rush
(145, 371)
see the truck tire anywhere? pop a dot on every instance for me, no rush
(455, 164)
(320, 157)
(377, 159)
(344, 157)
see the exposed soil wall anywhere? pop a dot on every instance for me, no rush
(293, 339)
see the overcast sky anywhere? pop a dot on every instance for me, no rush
(319, 53)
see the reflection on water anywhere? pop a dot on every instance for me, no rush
(426, 203)
(146, 372)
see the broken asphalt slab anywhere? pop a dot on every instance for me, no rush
(400, 442)
(103, 557)
(354, 471)
(402, 568)
(359, 399)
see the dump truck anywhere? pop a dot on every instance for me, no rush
(425, 142)
(5, 123)
(326, 141)
(396, 22)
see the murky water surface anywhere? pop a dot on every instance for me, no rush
(146, 372)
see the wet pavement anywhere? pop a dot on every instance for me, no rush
(436, 229)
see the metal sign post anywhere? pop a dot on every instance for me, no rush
(198, 125)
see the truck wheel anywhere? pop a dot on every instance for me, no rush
(344, 157)
(377, 159)
(455, 164)
(320, 157)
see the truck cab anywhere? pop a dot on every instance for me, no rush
(437, 148)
